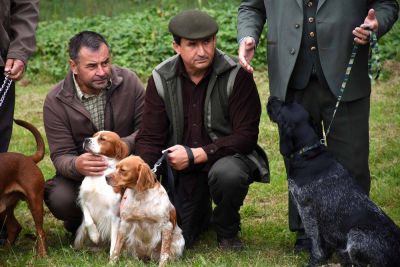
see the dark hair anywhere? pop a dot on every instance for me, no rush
(89, 39)
(177, 39)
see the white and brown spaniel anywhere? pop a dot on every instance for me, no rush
(99, 202)
(148, 228)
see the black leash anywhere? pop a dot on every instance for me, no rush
(170, 174)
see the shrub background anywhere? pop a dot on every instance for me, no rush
(140, 41)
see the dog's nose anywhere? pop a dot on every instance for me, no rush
(86, 142)
(108, 179)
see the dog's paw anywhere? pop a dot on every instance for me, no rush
(163, 259)
(93, 233)
(113, 259)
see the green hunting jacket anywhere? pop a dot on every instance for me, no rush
(18, 23)
(335, 21)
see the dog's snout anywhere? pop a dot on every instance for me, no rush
(108, 179)
(87, 142)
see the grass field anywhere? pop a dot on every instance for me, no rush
(264, 214)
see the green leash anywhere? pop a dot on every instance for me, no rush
(373, 51)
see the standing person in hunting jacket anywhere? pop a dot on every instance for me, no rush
(309, 43)
(18, 23)
(204, 109)
(95, 95)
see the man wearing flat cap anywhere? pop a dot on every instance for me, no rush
(204, 109)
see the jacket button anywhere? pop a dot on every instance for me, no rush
(292, 51)
(297, 26)
(311, 19)
(313, 48)
(312, 34)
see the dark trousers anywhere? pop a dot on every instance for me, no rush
(60, 196)
(226, 184)
(348, 139)
(6, 121)
(6, 114)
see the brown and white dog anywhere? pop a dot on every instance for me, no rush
(148, 228)
(21, 178)
(99, 202)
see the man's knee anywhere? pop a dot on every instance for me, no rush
(61, 198)
(229, 173)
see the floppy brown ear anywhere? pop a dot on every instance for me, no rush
(146, 179)
(172, 216)
(121, 150)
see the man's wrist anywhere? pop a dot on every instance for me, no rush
(200, 155)
(253, 39)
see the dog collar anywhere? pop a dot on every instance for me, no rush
(305, 149)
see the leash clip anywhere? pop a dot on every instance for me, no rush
(322, 141)
(160, 160)
(156, 167)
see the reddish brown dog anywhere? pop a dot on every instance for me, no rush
(21, 179)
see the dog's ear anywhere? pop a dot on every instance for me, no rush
(274, 106)
(285, 143)
(121, 150)
(146, 178)
(172, 216)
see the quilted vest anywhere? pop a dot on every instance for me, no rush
(216, 118)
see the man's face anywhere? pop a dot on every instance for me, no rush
(197, 55)
(92, 69)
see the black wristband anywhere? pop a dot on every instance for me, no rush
(190, 155)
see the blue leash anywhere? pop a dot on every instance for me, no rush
(374, 50)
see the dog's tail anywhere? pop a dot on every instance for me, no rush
(38, 156)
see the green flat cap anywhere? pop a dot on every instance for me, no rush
(193, 25)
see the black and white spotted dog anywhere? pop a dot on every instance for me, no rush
(337, 215)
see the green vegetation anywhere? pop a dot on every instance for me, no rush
(61, 9)
(140, 41)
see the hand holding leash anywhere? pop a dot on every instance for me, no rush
(14, 68)
(363, 33)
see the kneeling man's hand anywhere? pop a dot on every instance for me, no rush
(88, 164)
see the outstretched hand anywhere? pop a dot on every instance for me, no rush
(246, 53)
(361, 33)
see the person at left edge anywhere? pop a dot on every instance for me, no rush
(18, 23)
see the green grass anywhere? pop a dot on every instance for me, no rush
(264, 214)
